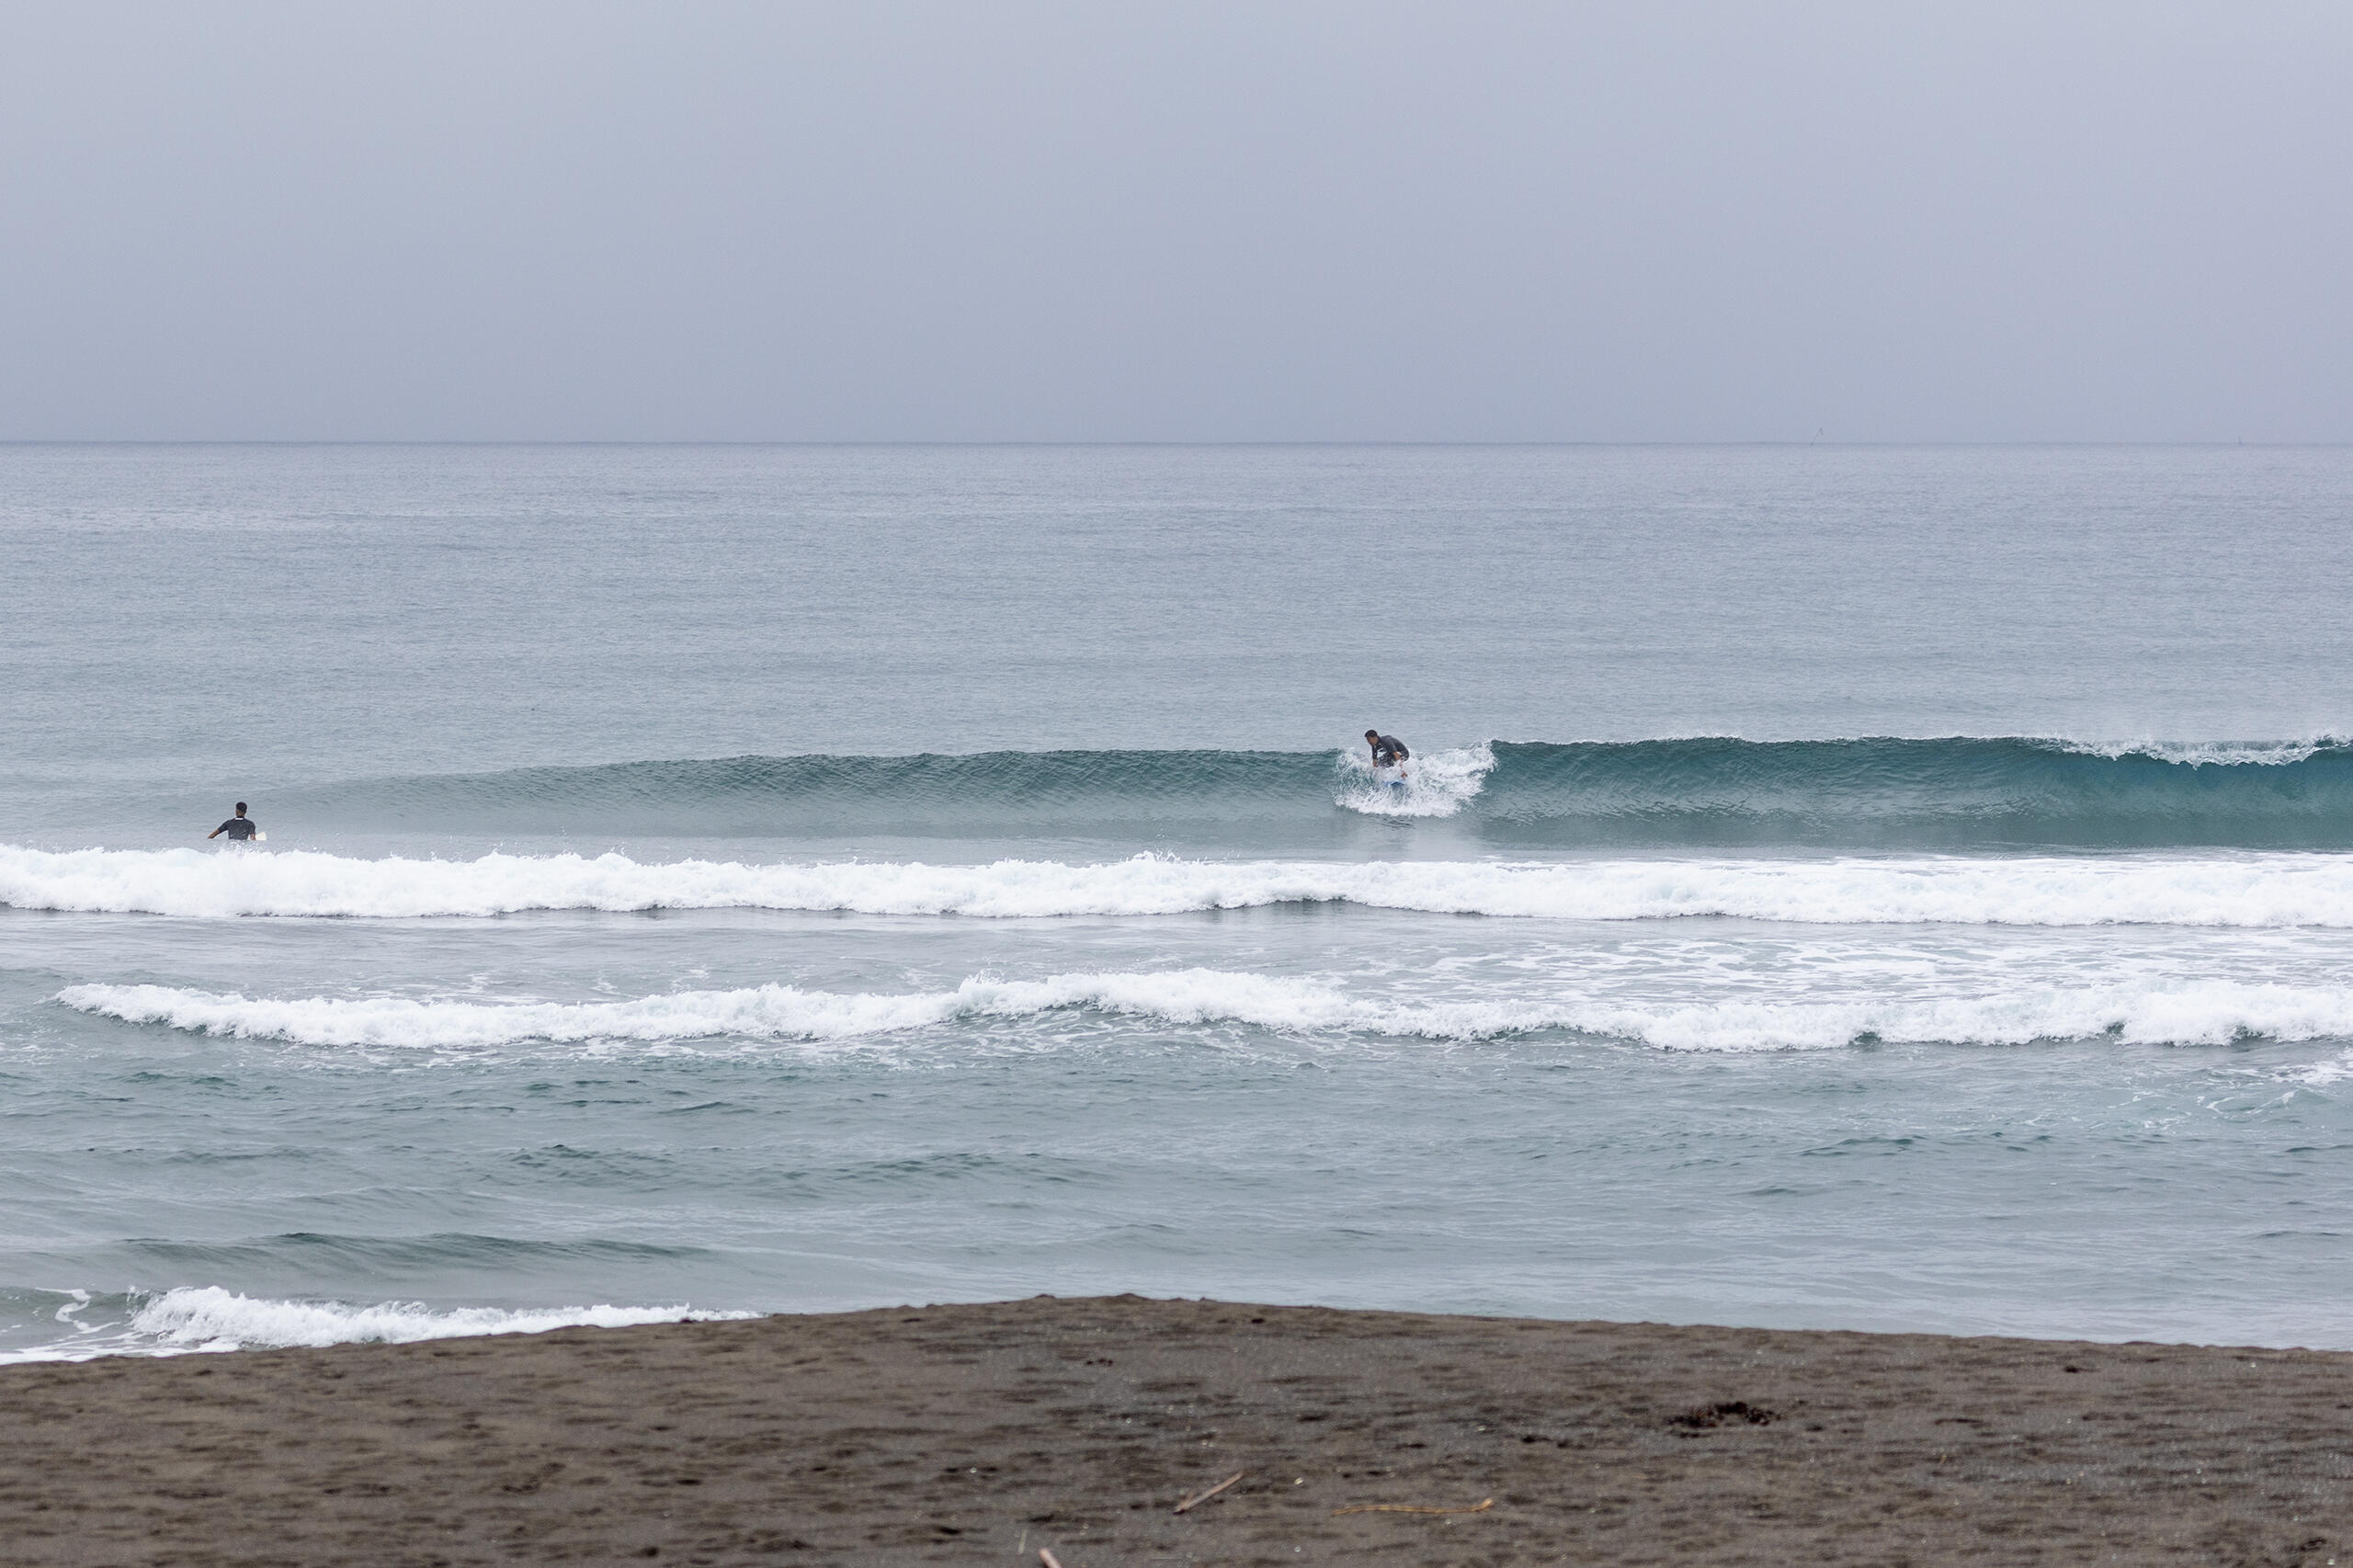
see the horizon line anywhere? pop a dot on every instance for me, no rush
(921, 442)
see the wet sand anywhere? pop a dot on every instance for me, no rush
(981, 1434)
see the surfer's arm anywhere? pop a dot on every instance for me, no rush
(214, 833)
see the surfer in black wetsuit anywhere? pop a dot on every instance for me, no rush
(1388, 751)
(239, 828)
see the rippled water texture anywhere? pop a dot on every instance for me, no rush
(1872, 888)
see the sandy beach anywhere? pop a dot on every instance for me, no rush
(973, 1434)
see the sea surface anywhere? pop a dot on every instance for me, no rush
(1876, 888)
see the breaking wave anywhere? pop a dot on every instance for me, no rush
(1868, 793)
(2146, 1012)
(2229, 890)
(207, 1318)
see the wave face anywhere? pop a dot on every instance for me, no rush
(2168, 1012)
(1888, 794)
(1956, 792)
(786, 796)
(2241, 890)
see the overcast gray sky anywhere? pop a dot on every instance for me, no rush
(1180, 221)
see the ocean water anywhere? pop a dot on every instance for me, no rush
(1882, 888)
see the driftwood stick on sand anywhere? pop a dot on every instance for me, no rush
(1411, 1508)
(1205, 1496)
(1048, 1559)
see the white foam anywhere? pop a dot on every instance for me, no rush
(2321, 1074)
(207, 1318)
(2149, 1011)
(1438, 785)
(765, 1012)
(2206, 753)
(2210, 1012)
(2274, 890)
(2232, 890)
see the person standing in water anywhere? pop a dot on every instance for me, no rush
(1388, 751)
(239, 828)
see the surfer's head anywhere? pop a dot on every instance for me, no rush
(1373, 734)
(240, 808)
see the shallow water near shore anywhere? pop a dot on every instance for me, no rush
(753, 879)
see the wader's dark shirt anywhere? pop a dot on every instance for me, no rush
(237, 828)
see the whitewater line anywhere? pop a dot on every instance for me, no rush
(2142, 1012)
(2224, 890)
(209, 1318)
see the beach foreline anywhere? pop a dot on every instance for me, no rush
(966, 1433)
